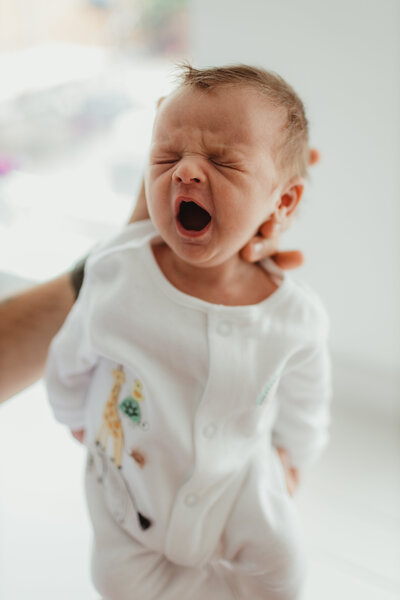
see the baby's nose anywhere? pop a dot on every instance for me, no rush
(188, 171)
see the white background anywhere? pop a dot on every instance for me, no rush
(343, 58)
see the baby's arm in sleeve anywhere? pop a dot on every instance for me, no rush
(70, 365)
(301, 428)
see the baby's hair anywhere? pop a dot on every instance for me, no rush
(293, 152)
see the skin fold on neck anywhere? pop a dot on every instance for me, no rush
(233, 283)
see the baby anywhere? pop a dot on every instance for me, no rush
(188, 368)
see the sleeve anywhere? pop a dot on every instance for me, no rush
(70, 364)
(303, 404)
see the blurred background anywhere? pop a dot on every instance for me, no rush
(79, 81)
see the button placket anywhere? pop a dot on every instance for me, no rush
(191, 500)
(209, 430)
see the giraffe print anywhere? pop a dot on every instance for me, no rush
(111, 423)
(130, 406)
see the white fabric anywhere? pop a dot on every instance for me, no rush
(220, 386)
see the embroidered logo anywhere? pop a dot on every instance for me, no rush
(265, 392)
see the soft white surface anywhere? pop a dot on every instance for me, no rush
(44, 530)
(54, 209)
(350, 506)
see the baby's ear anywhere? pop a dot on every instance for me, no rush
(289, 199)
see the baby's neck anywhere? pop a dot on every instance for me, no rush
(233, 283)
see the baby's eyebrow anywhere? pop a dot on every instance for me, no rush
(163, 147)
(224, 146)
(224, 152)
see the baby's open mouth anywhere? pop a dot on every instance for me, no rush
(192, 216)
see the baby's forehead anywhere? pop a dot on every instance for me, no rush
(237, 111)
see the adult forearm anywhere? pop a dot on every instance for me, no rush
(28, 323)
(30, 320)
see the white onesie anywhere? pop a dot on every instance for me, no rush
(183, 403)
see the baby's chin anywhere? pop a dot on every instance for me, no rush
(208, 255)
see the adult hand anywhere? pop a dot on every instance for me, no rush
(266, 243)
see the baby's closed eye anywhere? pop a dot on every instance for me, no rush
(166, 160)
(227, 162)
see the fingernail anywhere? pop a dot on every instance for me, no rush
(257, 248)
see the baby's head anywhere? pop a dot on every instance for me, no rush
(229, 151)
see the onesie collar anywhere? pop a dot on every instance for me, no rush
(247, 312)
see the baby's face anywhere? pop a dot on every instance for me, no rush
(212, 178)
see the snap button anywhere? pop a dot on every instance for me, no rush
(191, 500)
(209, 430)
(119, 517)
(224, 328)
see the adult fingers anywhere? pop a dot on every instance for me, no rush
(258, 248)
(314, 157)
(289, 259)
